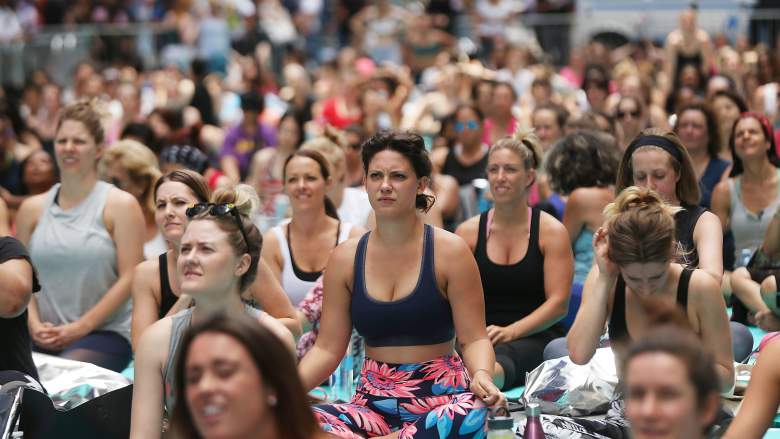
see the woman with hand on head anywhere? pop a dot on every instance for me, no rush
(84, 237)
(525, 262)
(156, 284)
(238, 380)
(657, 160)
(746, 202)
(218, 260)
(408, 310)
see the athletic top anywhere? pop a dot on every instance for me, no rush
(748, 227)
(685, 223)
(76, 260)
(424, 317)
(296, 282)
(712, 174)
(512, 291)
(618, 330)
(463, 173)
(167, 298)
(583, 255)
(179, 323)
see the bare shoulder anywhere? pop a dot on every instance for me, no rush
(469, 231)
(119, 199)
(154, 342)
(550, 227)
(32, 207)
(449, 243)
(703, 288)
(146, 274)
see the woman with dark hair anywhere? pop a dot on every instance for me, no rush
(671, 385)
(746, 202)
(408, 308)
(657, 160)
(589, 187)
(548, 120)
(632, 117)
(596, 86)
(697, 129)
(236, 379)
(513, 245)
(39, 172)
(218, 260)
(727, 106)
(298, 251)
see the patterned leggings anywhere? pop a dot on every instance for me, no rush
(420, 400)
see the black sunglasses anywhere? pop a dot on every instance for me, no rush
(635, 114)
(222, 209)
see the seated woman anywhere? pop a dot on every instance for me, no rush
(298, 251)
(524, 259)
(241, 368)
(218, 259)
(85, 237)
(765, 266)
(634, 271)
(413, 383)
(589, 186)
(671, 386)
(746, 201)
(156, 287)
(132, 167)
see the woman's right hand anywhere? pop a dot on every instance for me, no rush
(600, 245)
(43, 335)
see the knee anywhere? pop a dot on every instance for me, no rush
(556, 349)
(769, 292)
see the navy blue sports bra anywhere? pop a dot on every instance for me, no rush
(424, 317)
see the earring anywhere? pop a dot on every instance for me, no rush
(272, 400)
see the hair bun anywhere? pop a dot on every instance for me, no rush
(243, 196)
(634, 197)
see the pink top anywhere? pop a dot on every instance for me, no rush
(488, 125)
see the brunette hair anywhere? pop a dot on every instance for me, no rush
(736, 165)
(330, 208)
(88, 114)
(191, 179)
(640, 227)
(596, 156)
(686, 189)
(560, 112)
(409, 145)
(713, 134)
(292, 415)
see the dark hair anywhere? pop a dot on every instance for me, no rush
(409, 145)
(477, 84)
(185, 155)
(252, 101)
(296, 116)
(294, 418)
(597, 75)
(471, 107)
(560, 112)
(685, 346)
(734, 97)
(191, 179)
(596, 156)
(172, 117)
(713, 144)
(23, 165)
(766, 128)
(245, 200)
(507, 85)
(143, 133)
(686, 189)
(330, 208)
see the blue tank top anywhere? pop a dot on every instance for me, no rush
(583, 255)
(424, 317)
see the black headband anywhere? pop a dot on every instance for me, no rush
(659, 141)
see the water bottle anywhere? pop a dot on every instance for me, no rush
(533, 422)
(500, 427)
(341, 381)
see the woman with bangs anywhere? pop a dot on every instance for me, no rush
(218, 260)
(516, 245)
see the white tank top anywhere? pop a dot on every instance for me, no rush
(295, 282)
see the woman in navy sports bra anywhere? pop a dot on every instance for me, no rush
(408, 309)
(524, 259)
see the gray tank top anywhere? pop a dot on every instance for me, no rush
(76, 261)
(179, 323)
(748, 228)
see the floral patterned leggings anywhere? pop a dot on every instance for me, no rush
(420, 400)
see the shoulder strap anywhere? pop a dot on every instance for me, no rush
(481, 246)
(617, 319)
(682, 287)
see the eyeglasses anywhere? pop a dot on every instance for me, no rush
(220, 210)
(470, 124)
(622, 114)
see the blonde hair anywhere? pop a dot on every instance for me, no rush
(331, 145)
(525, 143)
(640, 227)
(140, 164)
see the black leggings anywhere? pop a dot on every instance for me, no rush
(522, 355)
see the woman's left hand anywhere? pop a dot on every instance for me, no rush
(68, 333)
(483, 388)
(499, 334)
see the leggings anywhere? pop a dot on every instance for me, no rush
(106, 349)
(522, 355)
(419, 400)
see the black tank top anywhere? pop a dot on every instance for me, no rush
(618, 330)
(511, 291)
(464, 174)
(167, 298)
(685, 223)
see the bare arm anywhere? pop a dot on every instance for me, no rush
(771, 244)
(147, 410)
(272, 298)
(229, 166)
(759, 407)
(708, 238)
(271, 256)
(16, 280)
(464, 291)
(721, 204)
(146, 298)
(714, 325)
(4, 219)
(336, 321)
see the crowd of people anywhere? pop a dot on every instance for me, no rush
(448, 217)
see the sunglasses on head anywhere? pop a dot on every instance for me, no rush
(622, 114)
(470, 124)
(222, 209)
